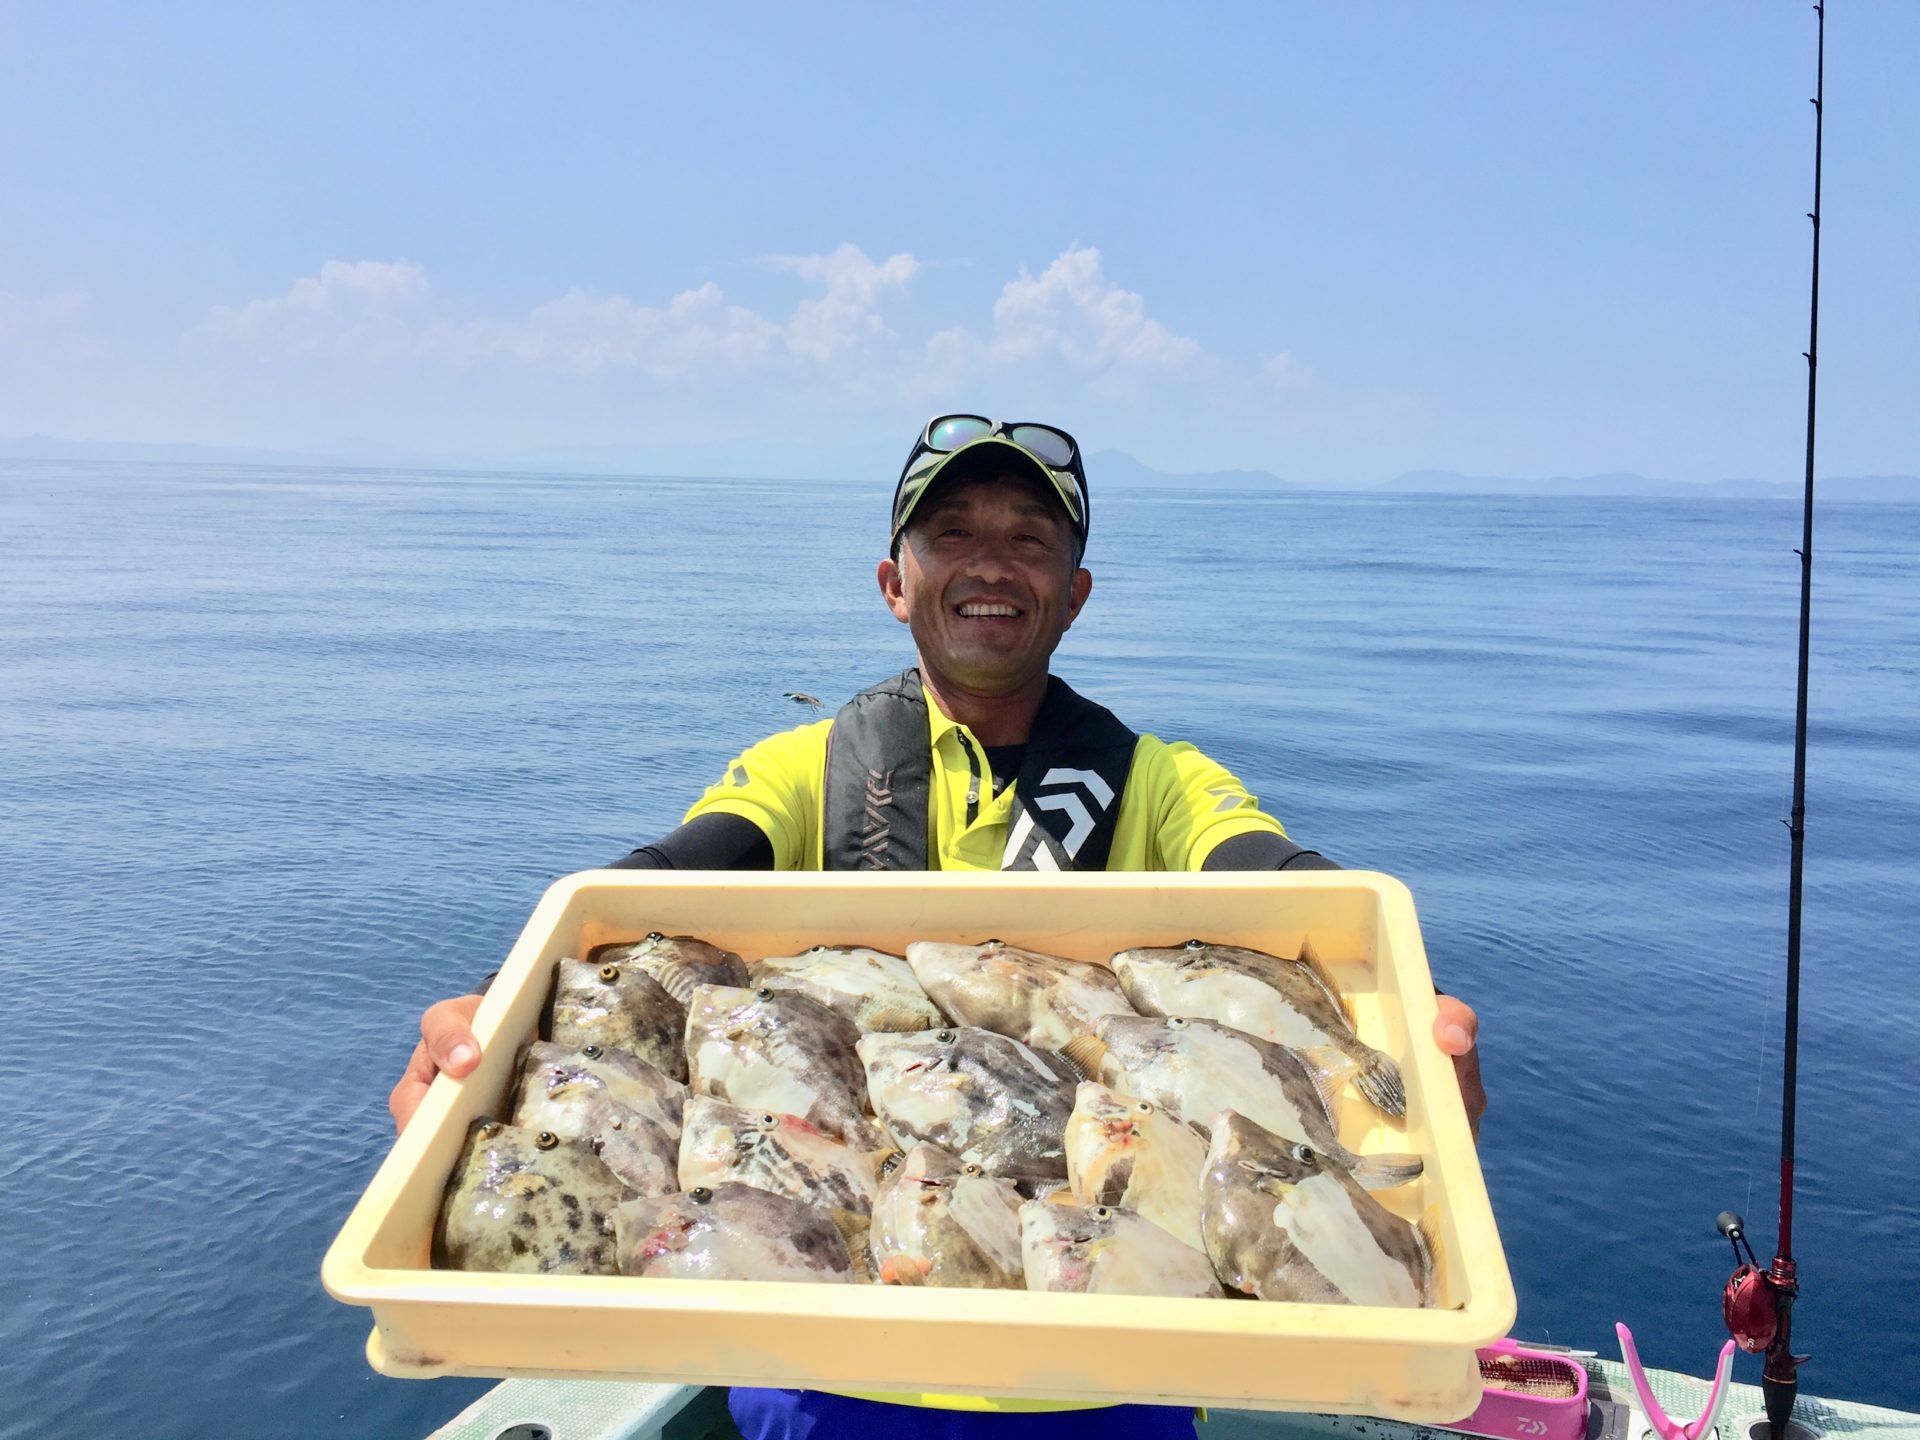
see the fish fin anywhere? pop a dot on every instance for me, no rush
(1383, 1172)
(1427, 1231)
(895, 1020)
(1056, 1191)
(1379, 1080)
(854, 1229)
(1317, 968)
(1329, 1068)
(1084, 1056)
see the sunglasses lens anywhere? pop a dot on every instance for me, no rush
(1050, 445)
(956, 430)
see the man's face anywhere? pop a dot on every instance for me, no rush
(987, 582)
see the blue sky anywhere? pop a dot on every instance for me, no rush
(1335, 242)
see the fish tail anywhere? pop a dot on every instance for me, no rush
(1428, 1231)
(1379, 1080)
(1383, 1172)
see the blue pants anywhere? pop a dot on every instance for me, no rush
(814, 1415)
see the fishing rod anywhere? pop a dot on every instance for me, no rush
(1759, 1303)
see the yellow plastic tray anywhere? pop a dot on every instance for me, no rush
(1407, 1364)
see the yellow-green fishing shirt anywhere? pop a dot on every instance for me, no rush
(1176, 807)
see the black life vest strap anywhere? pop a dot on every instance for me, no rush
(878, 809)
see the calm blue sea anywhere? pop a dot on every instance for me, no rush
(285, 754)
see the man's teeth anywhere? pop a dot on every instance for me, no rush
(978, 611)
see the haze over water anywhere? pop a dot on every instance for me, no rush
(286, 754)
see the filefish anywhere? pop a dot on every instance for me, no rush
(937, 1221)
(555, 1076)
(1289, 1002)
(678, 962)
(730, 1232)
(1196, 1069)
(618, 1008)
(527, 1202)
(1283, 1222)
(1129, 1152)
(1040, 1000)
(785, 1053)
(988, 1100)
(568, 1096)
(873, 989)
(1105, 1250)
(723, 1144)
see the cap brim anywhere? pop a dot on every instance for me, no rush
(990, 453)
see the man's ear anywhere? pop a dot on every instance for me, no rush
(1077, 591)
(892, 589)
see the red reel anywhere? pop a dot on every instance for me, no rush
(1751, 1309)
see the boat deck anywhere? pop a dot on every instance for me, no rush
(620, 1410)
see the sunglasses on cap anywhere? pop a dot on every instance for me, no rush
(1049, 450)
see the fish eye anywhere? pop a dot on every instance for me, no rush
(655, 936)
(1176, 1022)
(609, 973)
(1196, 944)
(1145, 1107)
(1303, 1153)
(1101, 1212)
(769, 1119)
(489, 1129)
(818, 948)
(700, 1195)
(945, 1037)
(546, 1139)
(592, 1052)
(973, 1170)
(763, 993)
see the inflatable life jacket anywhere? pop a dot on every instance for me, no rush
(876, 807)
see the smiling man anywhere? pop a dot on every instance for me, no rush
(977, 758)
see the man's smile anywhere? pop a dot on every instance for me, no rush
(987, 610)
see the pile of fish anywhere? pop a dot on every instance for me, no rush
(975, 1116)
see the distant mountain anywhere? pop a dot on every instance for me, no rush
(1882, 488)
(1116, 467)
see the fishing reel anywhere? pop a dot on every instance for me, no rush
(1755, 1298)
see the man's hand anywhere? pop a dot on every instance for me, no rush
(446, 1043)
(1456, 1030)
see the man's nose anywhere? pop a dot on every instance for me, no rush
(991, 557)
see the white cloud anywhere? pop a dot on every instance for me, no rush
(1072, 310)
(1283, 369)
(849, 313)
(587, 334)
(345, 309)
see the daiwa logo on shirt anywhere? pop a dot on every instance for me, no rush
(1079, 797)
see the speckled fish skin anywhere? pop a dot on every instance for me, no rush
(618, 1008)
(552, 1077)
(873, 989)
(1105, 1250)
(1288, 1002)
(1283, 1222)
(1196, 1069)
(1040, 1000)
(725, 1144)
(1125, 1151)
(568, 1098)
(731, 1232)
(781, 1052)
(678, 962)
(939, 1222)
(522, 1207)
(988, 1100)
